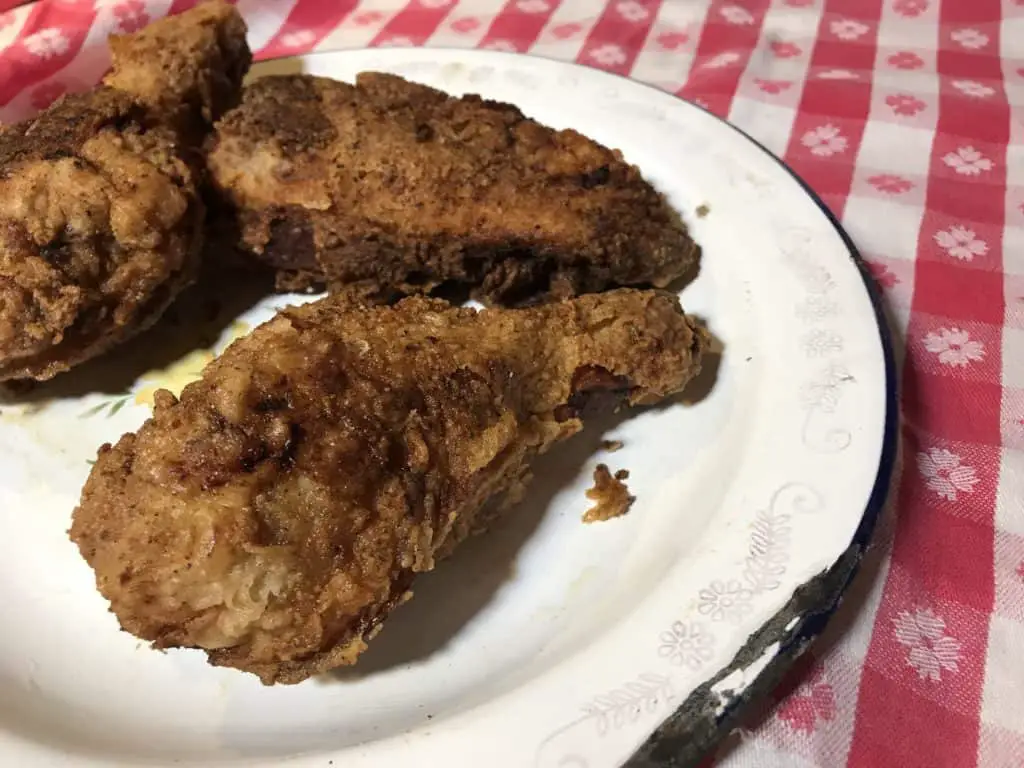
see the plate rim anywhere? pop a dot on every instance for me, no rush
(687, 743)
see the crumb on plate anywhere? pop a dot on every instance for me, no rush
(610, 494)
(612, 445)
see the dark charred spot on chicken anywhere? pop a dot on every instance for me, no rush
(596, 178)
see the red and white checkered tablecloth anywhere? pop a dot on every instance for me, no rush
(907, 117)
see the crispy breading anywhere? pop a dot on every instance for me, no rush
(187, 67)
(278, 511)
(100, 216)
(388, 188)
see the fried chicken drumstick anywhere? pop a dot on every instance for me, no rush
(278, 511)
(389, 188)
(100, 219)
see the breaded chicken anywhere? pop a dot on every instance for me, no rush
(388, 188)
(100, 218)
(277, 513)
(187, 69)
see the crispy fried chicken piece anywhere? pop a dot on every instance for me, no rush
(100, 218)
(278, 511)
(389, 188)
(187, 68)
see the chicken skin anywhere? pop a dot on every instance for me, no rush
(277, 513)
(390, 188)
(100, 218)
(188, 69)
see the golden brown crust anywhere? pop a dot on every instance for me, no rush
(387, 188)
(278, 512)
(100, 216)
(99, 229)
(187, 68)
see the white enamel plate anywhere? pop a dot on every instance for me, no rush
(545, 642)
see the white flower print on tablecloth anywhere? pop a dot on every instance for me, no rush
(972, 39)
(930, 650)
(631, 10)
(46, 43)
(973, 88)
(685, 644)
(967, 161)
(609, 55)
(735, 14)
(533, 6)
(505, 46)
(837, 74)
(954, 347)
(824, 141)
(721, 60)
(398, 41)
(961, 243)
(298, 39)
(728, 601)
(847, 29)
(944, 473)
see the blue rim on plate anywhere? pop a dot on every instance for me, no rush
(690, 734)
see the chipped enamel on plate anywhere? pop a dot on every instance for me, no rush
(546, 642)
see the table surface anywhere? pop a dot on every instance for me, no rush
(906, 117)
